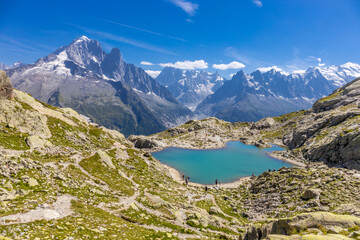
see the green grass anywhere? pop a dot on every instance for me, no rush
(330, 97)
(96, 168)
(12, 139)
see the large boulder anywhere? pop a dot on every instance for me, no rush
(106, 159)
(6, 88)
(144, 142)
(264, 123)
(311, 194)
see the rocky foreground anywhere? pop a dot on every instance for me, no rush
(64, 178)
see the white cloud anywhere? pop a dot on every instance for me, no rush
(321, 64)
(191, 65)
(319, 60)
(153, 74)
(276, 68)
(232, 65)
(258, 3)
(189, 7)
(146, 63)
(299, 71)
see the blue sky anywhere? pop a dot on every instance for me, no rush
(201, 34)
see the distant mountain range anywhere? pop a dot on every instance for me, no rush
(101, 86)
(122, 96)
(190, 87)
(272, 91)
(15, 65)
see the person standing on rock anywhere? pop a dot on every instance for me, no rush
(216, 181)
(183, 176)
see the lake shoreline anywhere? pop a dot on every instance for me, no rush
(177, 176)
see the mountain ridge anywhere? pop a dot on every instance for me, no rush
(101, 85)
(271, 92)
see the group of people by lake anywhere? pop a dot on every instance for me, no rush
(187, 179)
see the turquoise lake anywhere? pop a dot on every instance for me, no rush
(226, 164)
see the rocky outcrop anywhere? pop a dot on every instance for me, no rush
(144, 142)
(264, 123)
(346, 95)
(6, 88)
(325, 221)
(330, 131)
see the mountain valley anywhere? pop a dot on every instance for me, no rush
(63, 176)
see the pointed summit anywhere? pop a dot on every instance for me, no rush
(83, 38)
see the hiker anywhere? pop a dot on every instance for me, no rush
(253, 175)
(206, 188)
(183, 177)
(186, 181)
(216, 182)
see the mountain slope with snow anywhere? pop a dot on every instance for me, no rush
(272, 91)
(101, 86)
(190, 87)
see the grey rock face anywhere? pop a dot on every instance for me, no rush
(330, 131)
(6, 88)
(144, 142)
(346, 95)
(264, 123)
(190, 87)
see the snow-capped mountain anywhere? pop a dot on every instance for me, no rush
(101, 86)
(273, 91)
(190, 87)
(340, 75)
(3, 66)
(15, 65)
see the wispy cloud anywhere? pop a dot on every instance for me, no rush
(237, 55)
(232, 65)
(190, 65)
(117, 38)
(143, 30)
(132, 42)
(258, 3)
(24, 45)
(189, 7)
(152, 73)
(146, 63)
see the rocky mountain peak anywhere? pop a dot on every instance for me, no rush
(84, 51)
(113, 65)
(6, 88)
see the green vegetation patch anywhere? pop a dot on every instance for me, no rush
(330, 97)
(110, 176)
(289, 116)
(12, 139)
